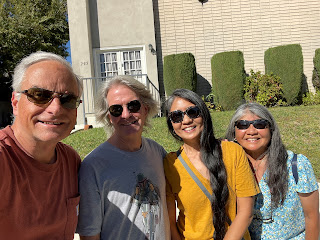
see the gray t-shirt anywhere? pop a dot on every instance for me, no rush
(123, 193)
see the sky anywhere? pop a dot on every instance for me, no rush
(68, 49)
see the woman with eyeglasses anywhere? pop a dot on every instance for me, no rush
(211, 181)
(288, 205)
(121, 182)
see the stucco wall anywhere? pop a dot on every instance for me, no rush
(251, 26)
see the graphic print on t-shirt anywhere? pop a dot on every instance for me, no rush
(147, 197)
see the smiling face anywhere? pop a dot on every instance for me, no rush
(254, 141)
(189, 129)
(128, 124)
(47, 123)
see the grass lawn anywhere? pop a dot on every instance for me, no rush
(299, 125)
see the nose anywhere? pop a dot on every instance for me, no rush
(54, 106)
(251, 129)
(125, 113)
(186, 119)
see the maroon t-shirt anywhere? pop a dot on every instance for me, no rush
(37, 201)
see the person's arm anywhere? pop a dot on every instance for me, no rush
(171, 205)
(310, 205)
(243, 218)
(96, 237)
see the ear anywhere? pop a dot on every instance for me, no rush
(146, 109)
(14, 103)
(109, 117)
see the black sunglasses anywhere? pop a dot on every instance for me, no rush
(258, 124)
(133, 107)
(177, 116)
(42, 96)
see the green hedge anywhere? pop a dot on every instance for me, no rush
(287, 63)
(179, 71)
(228, 77)
(316, 70)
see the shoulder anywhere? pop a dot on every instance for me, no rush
(67, 150)
(154, 146)
(232, 151)
(227, 145)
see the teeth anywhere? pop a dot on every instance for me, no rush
(52, 123)
(189, 128)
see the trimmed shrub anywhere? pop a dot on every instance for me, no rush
(264, 89)
(179, 71)
(287, 63)
(228, 77)
(316, 70)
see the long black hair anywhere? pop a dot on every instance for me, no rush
(211, 156)
(277, 154)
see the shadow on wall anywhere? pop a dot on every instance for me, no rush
(203, 86)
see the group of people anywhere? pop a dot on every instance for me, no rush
(246, 186)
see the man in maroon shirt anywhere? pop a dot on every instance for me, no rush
(38, 174)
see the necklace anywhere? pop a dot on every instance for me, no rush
(261, 159)
(256, 168)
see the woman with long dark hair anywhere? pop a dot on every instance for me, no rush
(288, 205)
(211, 181)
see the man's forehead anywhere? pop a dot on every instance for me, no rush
(51, 75)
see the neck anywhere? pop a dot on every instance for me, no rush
(128, 144)
(191, 148)
(42, 152)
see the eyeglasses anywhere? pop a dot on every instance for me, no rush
(177, 116)
(258, 124)
(133, 107)
(42, 96)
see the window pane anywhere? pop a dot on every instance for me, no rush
(103, 69)
(114, 57)
(101, 58)
(108, 59)
(132, 65)
(138, 64)
(137, 54)
(126, 66)
(125, 56)
(109, 67)
(114, 66)
(131, 55)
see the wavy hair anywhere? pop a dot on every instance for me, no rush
(211, 156)
(140, 89)
(277, 170)
(26, 62)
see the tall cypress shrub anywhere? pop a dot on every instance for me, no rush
(179, 71)
(228, 78)
(316, 70)
(287, 63)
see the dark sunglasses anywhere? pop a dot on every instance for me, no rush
(133, 107)
(258, 124)
(177, 116)
(42, 96)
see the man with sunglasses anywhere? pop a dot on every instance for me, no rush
(38, 173)
(121, 182)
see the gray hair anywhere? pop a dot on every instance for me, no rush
(26, 62)
(140, 89)
(277, 154)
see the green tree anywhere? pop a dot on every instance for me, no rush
(28, 26)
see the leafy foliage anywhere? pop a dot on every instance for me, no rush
(228, 77)
(264, 89)
(29, 26)
(179, 71)
(316, 70)
(311, 98)
(287, 63)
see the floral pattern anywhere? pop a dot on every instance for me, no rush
(286, 221)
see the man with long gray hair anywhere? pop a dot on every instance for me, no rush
(38, 173)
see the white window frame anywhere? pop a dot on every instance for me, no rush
(119, 49)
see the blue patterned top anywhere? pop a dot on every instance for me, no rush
(288, 219)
